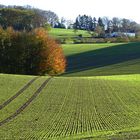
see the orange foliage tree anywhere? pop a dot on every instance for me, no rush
(51, 54)
(30, 53)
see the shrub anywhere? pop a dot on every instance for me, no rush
(110, 40)
(122, 39)
(30, 53)
(52, 58)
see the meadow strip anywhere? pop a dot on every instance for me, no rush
(78, 107)
(18, 111)
(17, 94)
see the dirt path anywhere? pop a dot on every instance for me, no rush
(17, 94)
(18, 111)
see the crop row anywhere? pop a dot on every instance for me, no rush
(75, 106)
(14, 105)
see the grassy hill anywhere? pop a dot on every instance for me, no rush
(100, 107)
(97, 98)
(67, 33)
(102, 59)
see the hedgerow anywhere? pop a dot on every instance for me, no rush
(30, 53)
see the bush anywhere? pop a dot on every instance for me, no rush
(52, 58)
(110, 40)
(30, 53)
(122, 39)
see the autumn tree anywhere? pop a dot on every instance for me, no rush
(30, 53)
(51, 54)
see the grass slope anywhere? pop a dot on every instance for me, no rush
(99, 107)
(7, 82)
(81, 106)
(102, 59)
(67, 33)
(21, 99)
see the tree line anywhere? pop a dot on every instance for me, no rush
(26, 17)
(31, 52)
(105, 25)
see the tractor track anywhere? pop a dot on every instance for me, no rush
(17, 94)
(19, 110)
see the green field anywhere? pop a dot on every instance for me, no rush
(7, 82)
(98, 98)
(67, 33)
(102, 59)
(100, 107)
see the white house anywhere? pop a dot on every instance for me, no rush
(119, 34)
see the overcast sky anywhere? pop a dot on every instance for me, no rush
(70, 9)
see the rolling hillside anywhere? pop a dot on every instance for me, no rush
(67, 33)
(102, 59)
(81, 83)
(100, 107)
(96, 99)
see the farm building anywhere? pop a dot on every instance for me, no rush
(118, 34)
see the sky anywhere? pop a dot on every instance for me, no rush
(70, 9)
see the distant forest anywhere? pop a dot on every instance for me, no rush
(27, 18)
